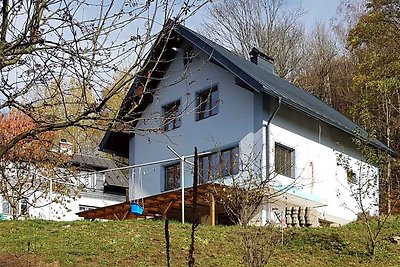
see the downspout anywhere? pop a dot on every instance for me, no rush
(267, 133)
(275, 111)
(267, 215)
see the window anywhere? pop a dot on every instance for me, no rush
(208, 101)
(351, 177)
(23, 206)
(219, 164)
(171, 116)
(87, 179)
(86, 208)
(6, 207)
(284, 160)
(172, 176)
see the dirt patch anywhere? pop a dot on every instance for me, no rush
(23, 260)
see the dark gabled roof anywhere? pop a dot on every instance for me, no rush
(258, 80)
(91, 163)
(264, 81)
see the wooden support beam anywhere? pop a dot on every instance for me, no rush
(125, 214)
(116, 217)
(212, 209)
(164, 210)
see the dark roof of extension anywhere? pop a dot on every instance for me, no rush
(259, 80)
(91, 163)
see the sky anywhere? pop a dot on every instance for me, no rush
(316, 10)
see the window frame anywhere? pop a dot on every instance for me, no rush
(177, 176)
(87, 178)
(176, 120)
(220, 170)
(4, 203)
(351, 177)
(204, 112)
(23, 206)
(291, 167)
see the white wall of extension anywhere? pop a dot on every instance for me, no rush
(65, 212)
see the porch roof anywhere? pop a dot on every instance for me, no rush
(169, 203)
(156, 206)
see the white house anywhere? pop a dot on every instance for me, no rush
(200, 94)
(97, 187)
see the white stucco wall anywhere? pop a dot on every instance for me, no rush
(67, 212)
(233, 124)
(317, 172)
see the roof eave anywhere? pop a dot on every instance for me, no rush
(374, 142)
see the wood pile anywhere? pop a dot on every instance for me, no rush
(301, 217)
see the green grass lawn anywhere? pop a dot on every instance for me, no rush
(141, 243)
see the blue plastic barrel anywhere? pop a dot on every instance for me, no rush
(136, 209)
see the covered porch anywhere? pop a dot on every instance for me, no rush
(169, 205)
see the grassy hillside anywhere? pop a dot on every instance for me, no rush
(141, 243)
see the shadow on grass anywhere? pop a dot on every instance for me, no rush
(315, 242)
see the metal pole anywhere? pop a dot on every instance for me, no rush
(50, 197)
(183, 188)
(182, 158)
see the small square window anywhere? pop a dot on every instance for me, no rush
(284, 160)
(171, 116)
(207, 103)
(172, 176)
(351, 177)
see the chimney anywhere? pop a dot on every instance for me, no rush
(65, 147)
(262, 60)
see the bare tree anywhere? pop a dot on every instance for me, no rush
(242, 193)
(321, 53)
(47, 44)
(265, 24)
(28, 170)
(347, 15)
(61, 63)
(363, 186)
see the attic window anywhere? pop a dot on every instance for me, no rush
(207, 102)
(284, 160)
(171, 116)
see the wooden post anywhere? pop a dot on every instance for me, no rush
(212, 209)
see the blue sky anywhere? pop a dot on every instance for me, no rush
(316, 10)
